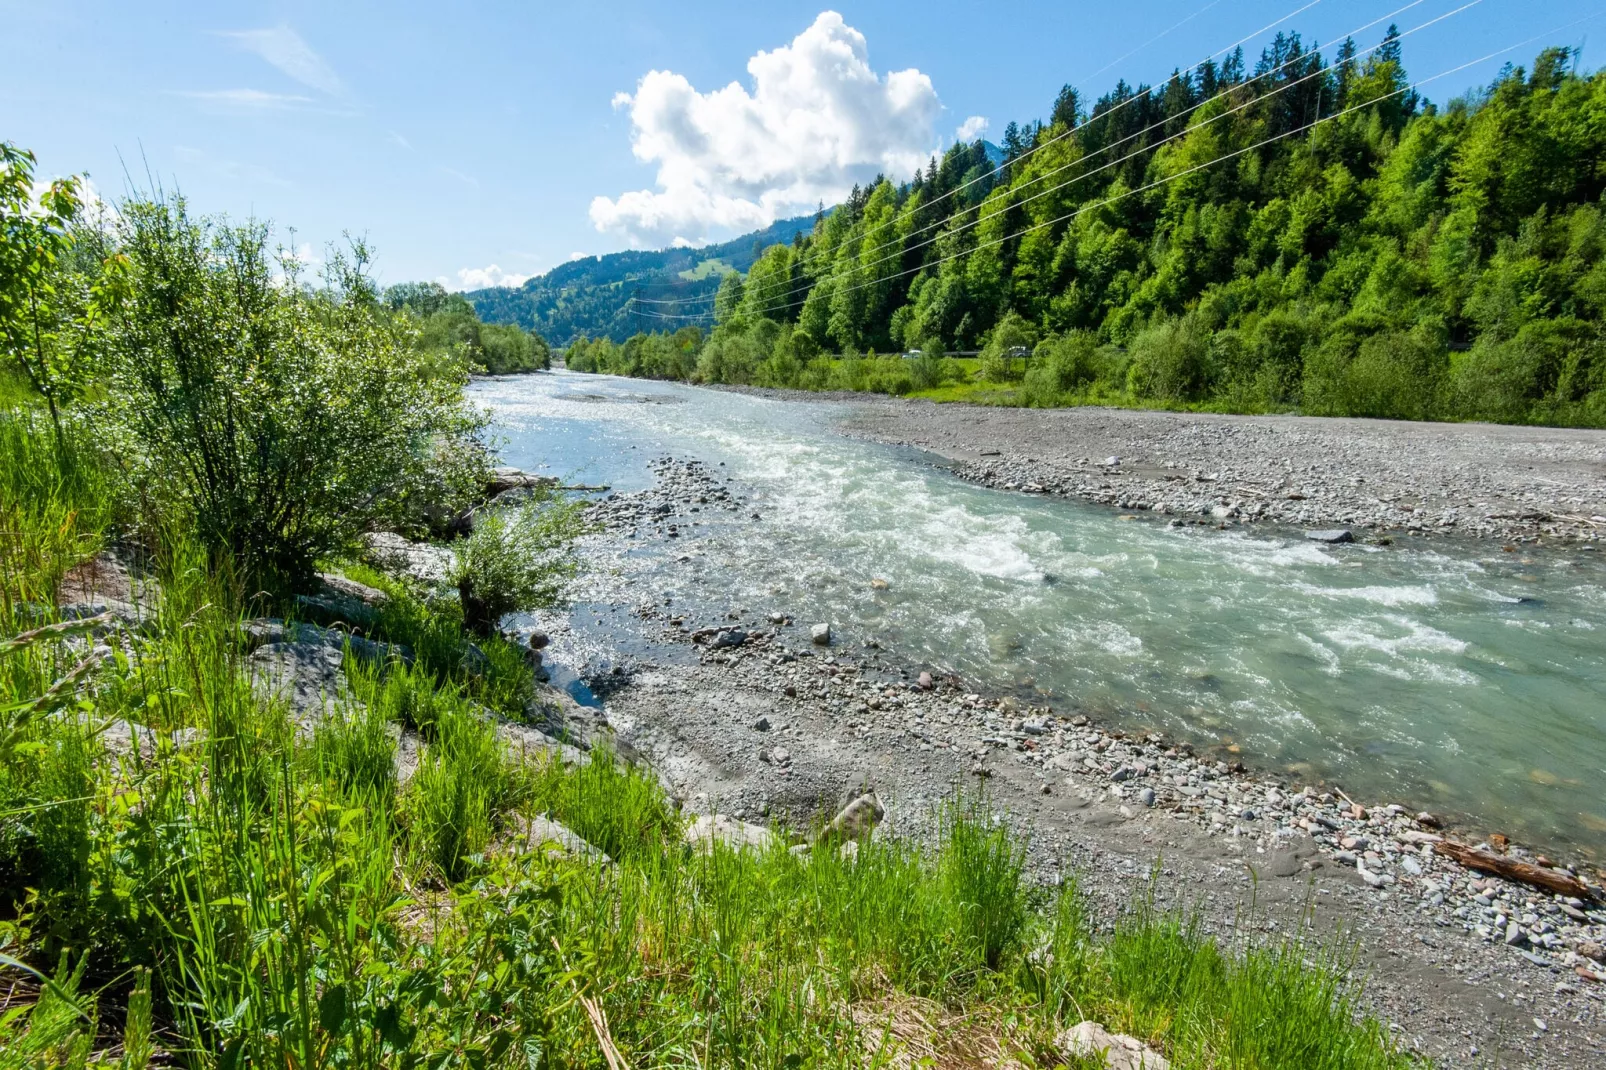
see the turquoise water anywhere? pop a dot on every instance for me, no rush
(1443, 675)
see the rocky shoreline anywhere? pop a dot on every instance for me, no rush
(1515, 484)
(759, 717)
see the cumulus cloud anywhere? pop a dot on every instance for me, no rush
(284, 48)
(971, 129)
(482, 278)
(816, 119)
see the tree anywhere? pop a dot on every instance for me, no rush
(45, 310)
(1067, 110)
(728, 298)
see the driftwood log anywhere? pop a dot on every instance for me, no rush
(1551, 880)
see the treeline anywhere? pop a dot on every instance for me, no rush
(449, 325)
(614, 295)
(1303, 235)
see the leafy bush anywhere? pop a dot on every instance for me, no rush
(1171, 361)
(280, 422)
(1001, 357)
(514, 561)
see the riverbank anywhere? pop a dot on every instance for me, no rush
(744, 715)
(1493, 481)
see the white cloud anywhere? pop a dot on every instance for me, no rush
(577, 256)
(971, 129)
(817, 120)
(467, 180)
(284, 48)
(248, 99)
(482, 278)
(399, 140)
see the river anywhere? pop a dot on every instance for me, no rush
(1444, 675)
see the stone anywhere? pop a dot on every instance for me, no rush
(539, 640)
(350, 588)
(703, 833)
(1331, 536)
(732, 637)
(557, 840)
(821, 634)
(857, 820)
(761, 725)
(103, 584)
(880, 585)
(925, 682)
(1591, 950)
(1089, 1041)
(1146, 797)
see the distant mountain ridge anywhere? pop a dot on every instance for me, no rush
(592, 296)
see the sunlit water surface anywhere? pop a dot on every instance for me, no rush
(1444, 675)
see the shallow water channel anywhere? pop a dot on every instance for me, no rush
(1444, 675)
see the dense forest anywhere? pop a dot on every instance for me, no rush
(1300, 235)
(619, 294)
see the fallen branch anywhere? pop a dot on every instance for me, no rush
(1550, 880)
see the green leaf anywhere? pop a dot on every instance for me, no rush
(332, 1008)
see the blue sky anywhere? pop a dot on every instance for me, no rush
(461, 137)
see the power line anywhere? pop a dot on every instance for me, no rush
(805, 284)
(1203, 166)
(980, 218)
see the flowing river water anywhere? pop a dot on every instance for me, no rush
(1445, 675)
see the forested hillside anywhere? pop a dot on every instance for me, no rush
(1296, 235)
(593, 296)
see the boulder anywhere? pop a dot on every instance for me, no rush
(424, 562)
(821, 634)
(1091, 1041)
(558, 840)
(1332, 536)
(338, 584)
(707, 830)
(857, 820)
(103, 584)
(305, 675)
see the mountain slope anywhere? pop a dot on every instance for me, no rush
(590, 296)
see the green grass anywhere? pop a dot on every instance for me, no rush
(295, 904)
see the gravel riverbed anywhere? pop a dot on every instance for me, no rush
(744, 713)
(1519, 484)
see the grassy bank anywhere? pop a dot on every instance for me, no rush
(237, 892)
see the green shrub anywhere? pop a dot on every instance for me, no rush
(463, 786)
(516, 560)
(1171, 361)
(1002, 358)
(278, 421)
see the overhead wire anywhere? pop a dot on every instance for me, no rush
(1130, 101)
(904, 249)
(1083, 210)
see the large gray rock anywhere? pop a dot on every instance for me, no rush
(1091, 1041)
(269, 631)
(1331, 536)
(105, 585)
(703, 833)
(821, 634)
(306, 676)
(426, 563)
(857, 820)
(558, 840)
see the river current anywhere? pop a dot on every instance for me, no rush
(1444, 675)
